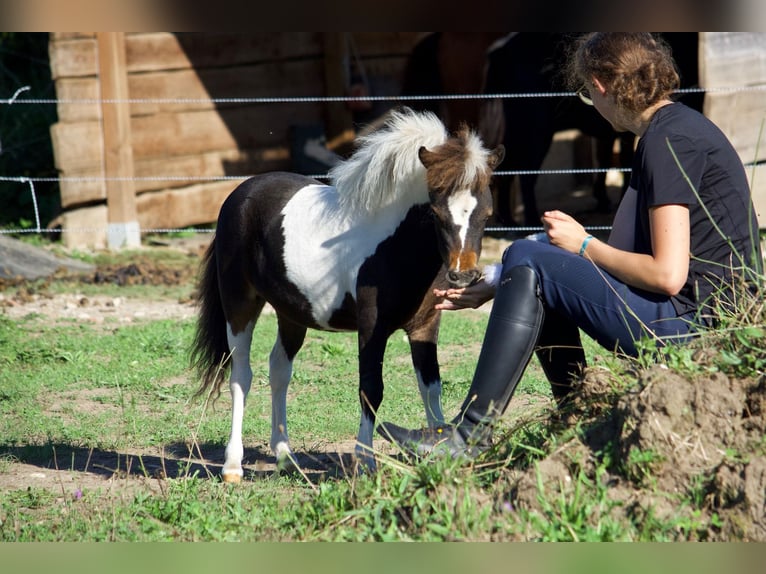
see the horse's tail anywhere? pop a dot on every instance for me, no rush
(210, 348)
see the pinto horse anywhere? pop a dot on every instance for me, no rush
(406, 212)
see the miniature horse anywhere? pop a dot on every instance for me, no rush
(406, 212)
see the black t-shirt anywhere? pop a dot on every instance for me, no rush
(722, 195)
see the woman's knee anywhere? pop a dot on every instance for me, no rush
(518, 253)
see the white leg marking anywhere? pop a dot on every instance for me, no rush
(239, 386)
(432, 400)
(280, 371)
(364, 443)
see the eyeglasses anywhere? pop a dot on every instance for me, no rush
(584, 95)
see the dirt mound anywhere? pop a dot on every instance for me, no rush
(24, 298)
(143, 272)
(700, 438)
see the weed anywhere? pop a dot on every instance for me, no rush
(641, 465)
(577, 508)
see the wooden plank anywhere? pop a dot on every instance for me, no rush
(85, 227)
(272, 80)
(194, 205)
(183, 169)
(732, 59)
(163, 51)
(216, 164)
(757, 178)
(78, 89)
(77, 57)
(76, 192)
(278, 79)
(189, 133)
(157, 51)
(741, 117)
(73, 58)
(56, 36)
(118, 148)
(77, 146)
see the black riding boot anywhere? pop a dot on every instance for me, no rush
(561, 355)
(512, 332)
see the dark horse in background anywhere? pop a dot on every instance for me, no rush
(525, 63)
(405, 213)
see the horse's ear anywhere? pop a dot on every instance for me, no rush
(496, 156)
(426, 157)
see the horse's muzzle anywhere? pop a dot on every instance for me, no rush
(460, 279)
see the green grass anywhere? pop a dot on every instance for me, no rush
(69, 392)
(66, 389)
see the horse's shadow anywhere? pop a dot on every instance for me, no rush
(176, 461)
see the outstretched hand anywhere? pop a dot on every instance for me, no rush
(470, 297)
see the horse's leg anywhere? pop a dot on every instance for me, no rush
(604, 147)
(423, 340)
(289, 341)
(503, 188)
(239, 386)
(527, 183)
(372, 347)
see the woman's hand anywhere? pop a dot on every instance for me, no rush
(470, 297)
(563, 230)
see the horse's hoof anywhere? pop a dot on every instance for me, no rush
(286, 464)
(232, 477)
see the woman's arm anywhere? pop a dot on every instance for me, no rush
(663, 272)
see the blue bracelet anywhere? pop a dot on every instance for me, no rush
(585, 244)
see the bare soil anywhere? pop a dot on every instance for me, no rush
(670, 434)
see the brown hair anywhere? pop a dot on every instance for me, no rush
(636, 67)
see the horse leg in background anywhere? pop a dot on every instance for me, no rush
(604, 147)
(239, 386)
(503, 188)
(528, 148)
(290, 339)
(501, 191)
(527, 183)
(425, 361)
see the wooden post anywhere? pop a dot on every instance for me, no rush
(123, 228)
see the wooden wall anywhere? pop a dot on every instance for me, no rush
(730, 59)
(195, 138)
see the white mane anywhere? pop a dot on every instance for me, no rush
(386, 168)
